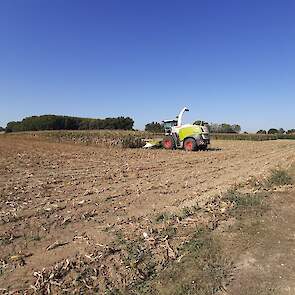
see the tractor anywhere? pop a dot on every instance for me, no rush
(189, 137)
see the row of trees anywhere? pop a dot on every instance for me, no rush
(154, 127)
(214, 128)
(276, 131)
(224, 128)
(53, 122)
(219, 128)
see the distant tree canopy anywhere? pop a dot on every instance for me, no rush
(291, 131)
(154, 127)
(273, 131)
(261, 131)
(224, 128)
(53, 122)
(2, 129)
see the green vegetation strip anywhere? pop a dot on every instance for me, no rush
(252, 137)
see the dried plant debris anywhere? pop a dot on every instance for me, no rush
(68, 203)
(56, 245)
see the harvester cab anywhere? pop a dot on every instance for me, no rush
(188, 136)
(168, 125)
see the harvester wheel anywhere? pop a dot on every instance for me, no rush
(190, 144)
(168, 142)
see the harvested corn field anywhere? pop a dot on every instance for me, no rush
(88, 219)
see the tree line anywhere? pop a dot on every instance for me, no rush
(224, 128)
(54, 122)
(157, 127)
(154, 127)
(276, 131)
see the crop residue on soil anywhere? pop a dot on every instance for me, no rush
(60, 201)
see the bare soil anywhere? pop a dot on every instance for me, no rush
(263, 249)
(59, 201)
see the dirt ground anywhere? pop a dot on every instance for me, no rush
(59, 200)
(263, 250)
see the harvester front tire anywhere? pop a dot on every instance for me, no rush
(168, 142)
(190, 144)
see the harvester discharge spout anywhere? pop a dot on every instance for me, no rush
(179, 117)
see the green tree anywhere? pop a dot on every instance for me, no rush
(224, 128)
(53, 122)
(14, 127)
(154, 127)
(261, 131)
(291, 131)
(273, 131)
(236, 128)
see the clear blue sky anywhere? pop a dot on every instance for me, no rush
(227, 60)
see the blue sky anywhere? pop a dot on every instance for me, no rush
(227, 60)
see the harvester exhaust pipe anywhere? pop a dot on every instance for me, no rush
(179, 117)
